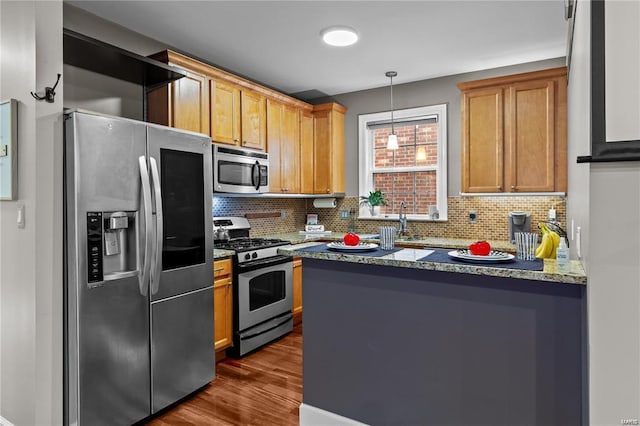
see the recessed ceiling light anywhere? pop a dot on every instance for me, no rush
(339, 36)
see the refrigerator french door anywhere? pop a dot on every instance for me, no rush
(138, 268)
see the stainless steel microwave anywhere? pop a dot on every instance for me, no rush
(239, 170)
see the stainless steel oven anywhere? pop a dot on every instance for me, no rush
(264, 303)
(262, 286)
(238, 170)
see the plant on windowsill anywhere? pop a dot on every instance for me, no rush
(374, 200)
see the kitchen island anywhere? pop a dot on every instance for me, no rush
(398, 340)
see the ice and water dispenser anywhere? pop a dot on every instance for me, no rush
(518, 222)
(111, 245)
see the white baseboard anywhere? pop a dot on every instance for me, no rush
(5, 422)
(312, 416)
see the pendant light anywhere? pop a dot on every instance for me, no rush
(392, 143)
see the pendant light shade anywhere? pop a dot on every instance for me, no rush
(392, 143)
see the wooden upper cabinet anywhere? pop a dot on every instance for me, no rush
(283, 145)
(530, 149)
(209, 100)
(225, 112)
(514, 133)
(253, 120)
(482, 147)
(182, 104)
(306, 152)
(328, 171)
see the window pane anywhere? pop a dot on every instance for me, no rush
(417, 189)
(418, 146)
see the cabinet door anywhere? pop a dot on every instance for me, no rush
(482, 140)
(530, 126)
(253, 121)
(283, 145)
(274, 145)
(306, 152)
(222, 313)
(225, 113)
(189, 104)
(290, 155)
(322, 173)
(297, 290)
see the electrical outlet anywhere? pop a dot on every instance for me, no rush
(473, 216)
(3, 150)
(344, 214)
(283, 213)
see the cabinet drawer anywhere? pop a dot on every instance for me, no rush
(221, 268)
(222, 282)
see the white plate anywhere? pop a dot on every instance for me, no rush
(494, 257)
(339, 245)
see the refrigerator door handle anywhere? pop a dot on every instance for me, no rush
(157, 251)
(148, 217)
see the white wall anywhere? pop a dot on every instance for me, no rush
(604, 200)
(31, 258)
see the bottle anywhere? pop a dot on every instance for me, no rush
(562, 256)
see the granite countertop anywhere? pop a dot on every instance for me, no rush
(408, 258)
(221, 254)
(453, 243)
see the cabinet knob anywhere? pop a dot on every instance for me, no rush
(244, 142)
(328, 191)
(514, 187)
(236, 140)
(499, 187)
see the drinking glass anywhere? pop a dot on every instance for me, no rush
(526, 245)
(387, 237)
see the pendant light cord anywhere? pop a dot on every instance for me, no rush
(391, 74)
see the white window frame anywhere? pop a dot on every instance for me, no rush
(366, 152)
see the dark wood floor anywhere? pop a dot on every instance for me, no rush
(264, 388)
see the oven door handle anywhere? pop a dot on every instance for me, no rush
(286, 319)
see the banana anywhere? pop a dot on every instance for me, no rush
(555, 238)
(546, 246)
(549, 244)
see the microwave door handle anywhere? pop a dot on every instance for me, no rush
(157, 251)
(259, 175)
(253, 174)
(148, 216)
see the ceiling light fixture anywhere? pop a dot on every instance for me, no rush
(339, 36)
(392, 143)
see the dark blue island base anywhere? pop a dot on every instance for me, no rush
(397, 346)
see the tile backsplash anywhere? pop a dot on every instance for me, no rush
(491, 223)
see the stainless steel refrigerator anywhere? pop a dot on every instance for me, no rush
(139, 268)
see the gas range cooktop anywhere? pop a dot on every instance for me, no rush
(247, 244)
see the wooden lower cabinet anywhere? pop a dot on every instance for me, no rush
(222, 304)
(297, 290)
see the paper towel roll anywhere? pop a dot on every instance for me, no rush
(325, 203)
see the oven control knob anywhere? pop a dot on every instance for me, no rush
(247, 256)
(254, 255)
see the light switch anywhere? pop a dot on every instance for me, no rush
(20, 216)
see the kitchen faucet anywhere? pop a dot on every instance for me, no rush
(403, 218)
